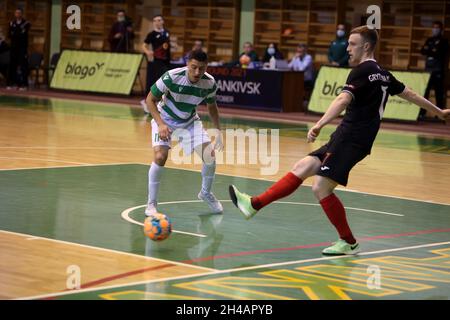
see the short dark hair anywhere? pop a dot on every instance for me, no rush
(157, 15)
(302, 45)
(20, 9)
(120, 10)
(198, 55)
(369, 35)
(439, 23)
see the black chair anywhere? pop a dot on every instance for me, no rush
(52, 66)
(35, 63)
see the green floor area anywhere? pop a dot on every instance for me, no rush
(388, 139)
(84, 205)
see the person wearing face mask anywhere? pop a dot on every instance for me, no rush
(272, 51)
(121, 34)
(337, 52)
(436, 51)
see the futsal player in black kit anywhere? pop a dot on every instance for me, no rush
(364, 98)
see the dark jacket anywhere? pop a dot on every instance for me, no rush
(124, 43)
(436, 51)
(18, 33)
(337, 52)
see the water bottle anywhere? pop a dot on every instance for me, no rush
(272, 63)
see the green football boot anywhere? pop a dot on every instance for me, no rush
(342, 248)
(242, 201)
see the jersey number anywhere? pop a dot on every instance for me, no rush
(383, 101)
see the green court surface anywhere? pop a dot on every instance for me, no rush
(86, 205)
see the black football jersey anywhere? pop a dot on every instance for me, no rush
(369, 85)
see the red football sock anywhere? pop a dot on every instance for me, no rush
(280, 189)
(336, 214)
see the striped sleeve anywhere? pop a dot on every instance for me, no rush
(211, 98)
(161, 86)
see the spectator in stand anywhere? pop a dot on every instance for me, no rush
(18, 66)
(436, 51)
(121, 34)
(272, 51)
(198, 45)
(303, 61)
(337, 52)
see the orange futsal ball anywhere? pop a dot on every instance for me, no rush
(157, 227)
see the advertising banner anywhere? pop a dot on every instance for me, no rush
(331, 80)
(248, 87)
(104, 72)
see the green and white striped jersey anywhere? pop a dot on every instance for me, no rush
(180, 97)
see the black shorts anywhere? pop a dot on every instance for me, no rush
(338, 158)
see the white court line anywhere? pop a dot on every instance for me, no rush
(33, 237)
(126, 216)
(48, 160)
(216, 272)
(338, 188)
(74, 166)
(236, 176)
(351, 208)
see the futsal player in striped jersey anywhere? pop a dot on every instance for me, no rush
(364, 98)
(172, 102)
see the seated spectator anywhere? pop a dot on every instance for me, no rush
(302, 61)
(198, 45)
(272, 51)
(337, 52)
(248, 54)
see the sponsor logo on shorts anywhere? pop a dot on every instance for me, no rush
(323, 168)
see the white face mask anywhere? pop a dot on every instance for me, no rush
(271, 51)
(340, 33)
(120, 19)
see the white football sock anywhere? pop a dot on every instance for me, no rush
(154, 178)
(208, 173)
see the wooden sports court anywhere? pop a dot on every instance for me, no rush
(73, 185)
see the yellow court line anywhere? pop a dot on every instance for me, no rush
(216, 272)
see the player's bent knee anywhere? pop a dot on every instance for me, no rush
(321, 188)
(160, 157)
(306, 167)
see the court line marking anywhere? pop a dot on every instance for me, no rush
(35, 238)
(75, 166)
(125, 215)
(374, 158)
(313, 245)
(216, 272)
(228, 175)
(46, 160)
(309, 185)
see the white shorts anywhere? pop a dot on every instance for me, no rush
(189, 135)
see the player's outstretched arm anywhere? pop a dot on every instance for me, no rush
(163, 129)
(337, 106)
(420, 101)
